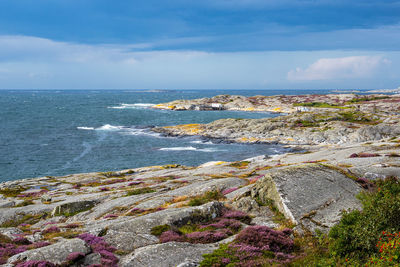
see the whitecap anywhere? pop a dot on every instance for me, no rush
(189, 148)
(210, 150)
(202, 142)
(133, 106)
(180, 148)
(124, 130)
(109, 127)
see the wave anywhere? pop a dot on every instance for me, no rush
(189, 148)
(109, 127)
(124, 130)
(133, 106)
(202, 142)
(179, 148)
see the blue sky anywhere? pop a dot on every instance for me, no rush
(186, 44)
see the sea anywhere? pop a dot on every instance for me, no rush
(60, 132)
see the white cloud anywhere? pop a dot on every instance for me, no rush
(338, 68)
(31, 62)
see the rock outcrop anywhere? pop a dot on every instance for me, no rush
(171, 215)
(311, 195)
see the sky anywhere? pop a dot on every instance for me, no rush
(199, 44)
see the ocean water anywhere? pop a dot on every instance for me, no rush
(51, 132)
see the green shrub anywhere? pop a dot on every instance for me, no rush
(318, 105)
(358, 232)
(12, 192)
(206, 197)
(139, 191)
(159, 229)
(389, 251)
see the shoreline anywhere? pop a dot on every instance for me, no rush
(124, 210)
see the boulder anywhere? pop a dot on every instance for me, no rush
(169, 254)
(311, 195)
(73, 207)
(56, 253)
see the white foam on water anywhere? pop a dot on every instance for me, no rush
(202, 142)
(133, 106)
(124, 130)
(210, 150)
(189, 148)
(109, 127)
(179, 148)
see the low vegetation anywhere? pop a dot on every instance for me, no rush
(318, 105)
(139, 191)
(203, 229)
(362, 238)
(206, 197)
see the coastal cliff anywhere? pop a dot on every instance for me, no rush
(173, 215)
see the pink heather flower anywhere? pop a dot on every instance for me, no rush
(229, 190)
(40, 244)
(52, 229)
(48, 223)
(110, 216)
(169, 236)
(35, 264)
(75, 256)
(72, 225)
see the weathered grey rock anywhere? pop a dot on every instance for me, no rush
(135, 233)
(153, 203)
(19, 212)
(45, 198)
(239, 192)
(91, 259)
(10, 232)
(107, 206)
(169, 254)
(56, 253)
(188, 264)
(310, 195)
(6, 204)
(73, 207)
(198, 188)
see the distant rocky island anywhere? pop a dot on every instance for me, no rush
(262, 211)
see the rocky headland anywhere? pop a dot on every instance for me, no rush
(310, 119)
(256, 209)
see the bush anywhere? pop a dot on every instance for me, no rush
(254, 246)
(389, 251)
(358, 232)
(206, 197)
(158, 230)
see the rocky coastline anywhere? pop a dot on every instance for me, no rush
(172, 215)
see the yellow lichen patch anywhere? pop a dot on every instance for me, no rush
(170, 166)
(171, 107)
(249, 109)
(278, 109)
(191, 129)
(248, 174)
(344, 165)
(220, 162)
(179, 199)
(220, 175)
(248, 139)
(290, 139)
(240, 164)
